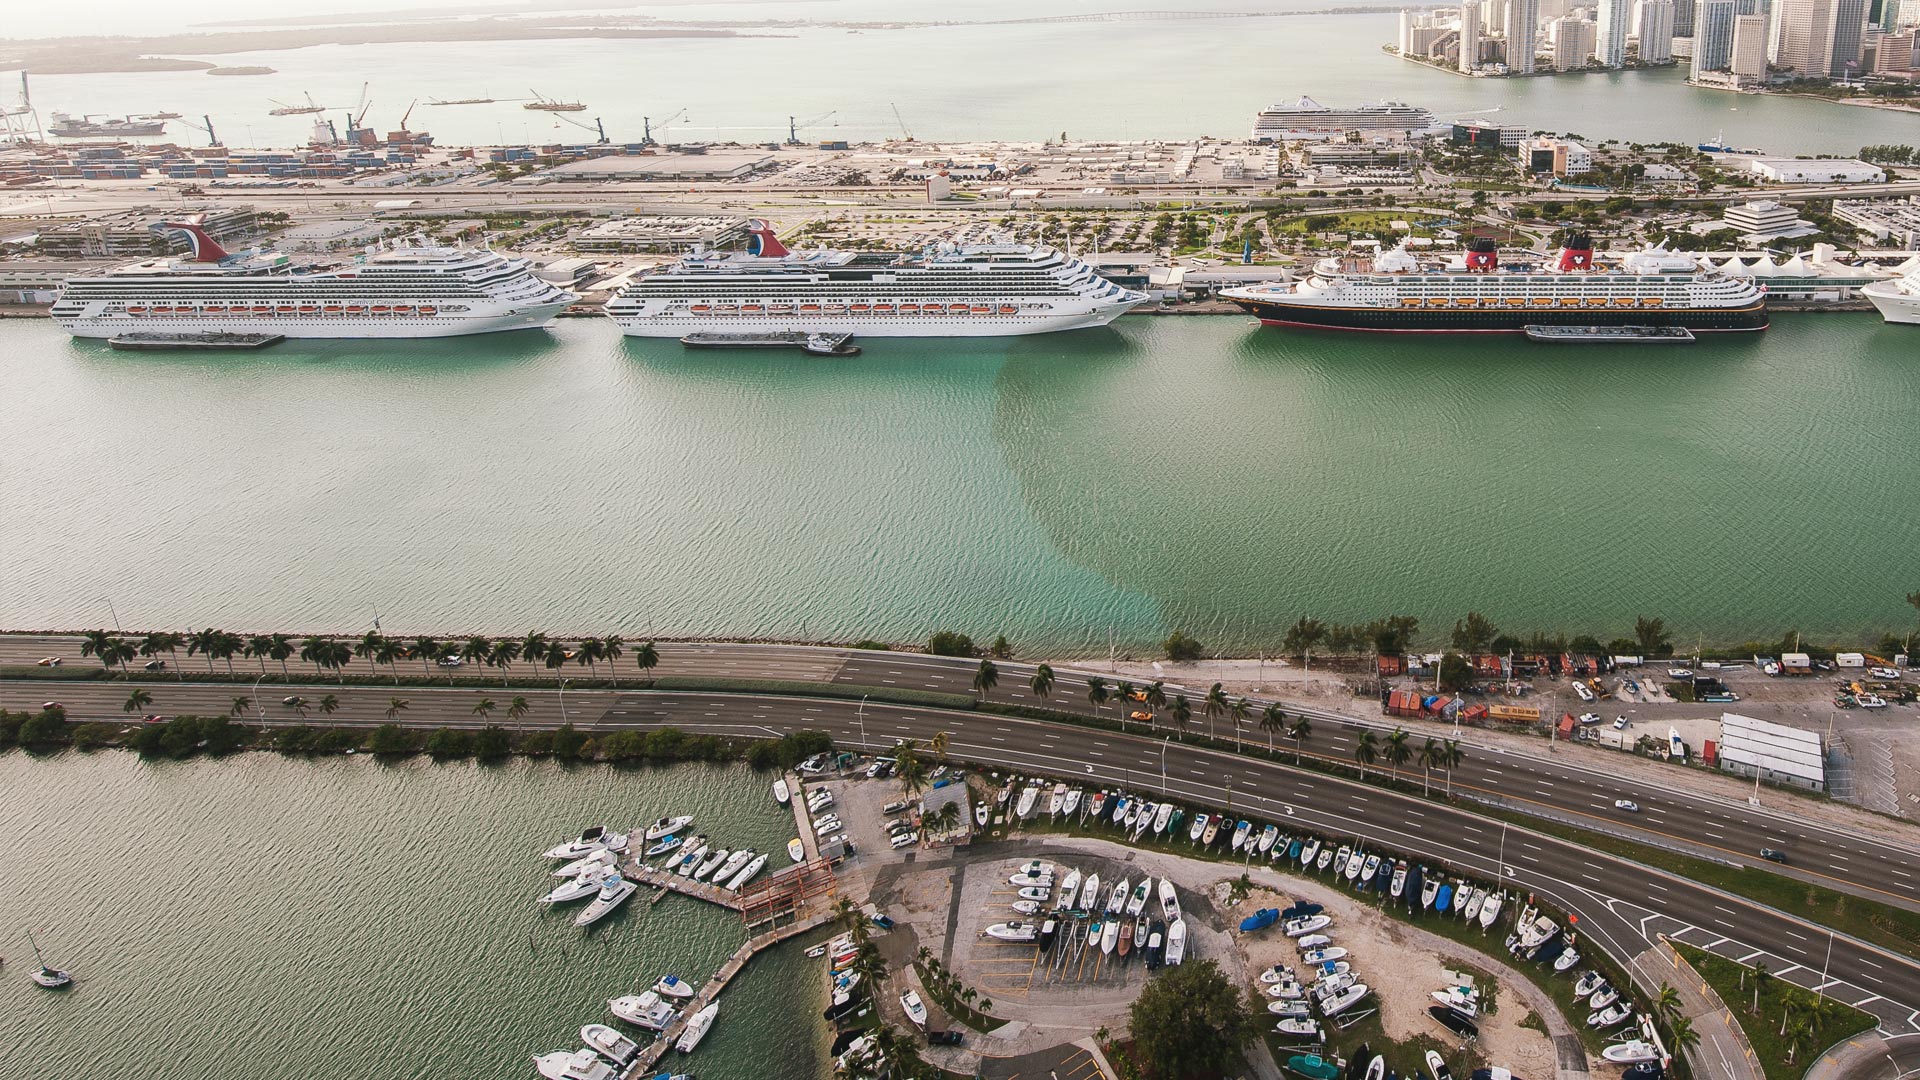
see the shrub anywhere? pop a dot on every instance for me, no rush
(568, 743)
(94, 736)
(10, 727)
(537, 744)
(298, 739)
(147, 740)
(491, 743)
(392, 739)
(336, 741)
(876, 646)
(949, 643)
(450, 743)
(45, 728)
(1179, 646)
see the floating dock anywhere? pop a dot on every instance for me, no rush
(212, 339)
(819, 344)
(1610, 335)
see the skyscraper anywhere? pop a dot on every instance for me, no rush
(1819, 38)
(1523, 22)
(1749, 57)
(1493, 16)
(1683, 18)
(1610, 41)
(1573, 42)
(1469, 36)
(1712, 35)
(1849, 38)
(1655, 20)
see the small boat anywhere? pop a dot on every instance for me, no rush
(1038, 893)
(1610, 1016)
(1325, 860)
(1321, 956)
(1117, 900)
(668, 826)
(581, 1064)
(642, 1010)
(1069, 890)
(1024, 809)
(1376, 1069)
(1093, 934)
(732, 866)
(1169, 900)
(1126, 938)
(1300, 909)
(1644, 1070)
(1490, 911)
(1162, 817)
(46, 978)
(1603, 997)
(673, 986)
(1368, 869)
(1056, 799)
(590, 840)
(1383, 875)
(983, 814)
(613, 1045)
(1212, 830)
(1331, 986)
(588, 863)
(1013, 931)
(1453, 1021)
(1341, 859)
(613, 892)
(1534, 933)
(1331, 970)
(1109, 936)
(746, 873)
(1443, 898)
(1259, 920)
(1143, 819)
(1294, 1027)
(697, 1027)
(1587, 984)
(1268, 836)
(1072, 804)
(1278, 973)
(1047, 931)
(577, 889)
(1125, 812)
(1036, 869)
(1315, 1067)
(1200, 823)
(1312, 941)
(780, 792)
(1463, 895)
(1632, 1050)
(1344, 1000)
(1355, 862)
(1305, 925)
(1566, 960)
(1676, 749)
(692, 859)
(916, 1009)
(1289, 1006)
(1399, 884)
(796, 850)
(1089, 893)
(1024, 907)
(1464, 1000)
(1137, 903)
(1437, 1067)
(1310, 852)
(1240, 832)
(1474, 902)
(710, 864)
(1176, 941)
(1097, 805)
(665, 844)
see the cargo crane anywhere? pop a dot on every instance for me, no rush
(596, 127)
(904, 133)
(646, 126)
(285, 109)
(205, 128)
(21, 123)
(794, 126)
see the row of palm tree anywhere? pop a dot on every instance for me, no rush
(1394, 750)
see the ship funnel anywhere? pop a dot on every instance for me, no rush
(1578, 254)
(1482, 255)
(205, 248)
(761, 240)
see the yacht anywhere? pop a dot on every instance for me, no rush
(589, 841)
(731, 867)
(667, 826)
(1169, 900)
(673, 986)
(916, 1009)
(944, 290)
(611, 1044)
(578, 888)
(1176, 942)
(642, 1010)
(746, 873)
(403, 291)
(697, 1027)
(613, 893)
(581, 1064)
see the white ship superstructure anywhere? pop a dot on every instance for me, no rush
(985, 290)
(1899, 298)
(404, 291)
(1308, 119)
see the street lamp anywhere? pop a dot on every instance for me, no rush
(862, 716)
(257, 706)
(1164, 789)
(563, 701)
(116, 615)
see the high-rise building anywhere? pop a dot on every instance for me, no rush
(1819, 38)
(1896, 53)
(1469, 36)
(1523, 25)
(1493, 16)
(1849, 38)
(1683, 18)
(1654, 22)
(1712, 35)
(1749, 57)
(1573, 42)
(1610, 30)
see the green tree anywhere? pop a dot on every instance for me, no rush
(1454, 756)
(1181, 648)
(568, 743)
(535, 647)
(591, 652)
(476, 650)
(556, 660)
(48, 727)
(161, 641)
(1652, 636)
(491, 743)
(94, 643)
(1474, 634)
(1299, 731)
(369, 647)
(137, 701)
(280, 648)
(1681, 1037)
(1042, 682)
(951, 643)
(390, 651)
(449, 743)
(1366, 749)
(391, 739)
(1667, 1003)
(1191, 1021)
(909, 768)
(1304, 636)
(1272, 721)
(1001, 649)
(985, 678)
(1455, 672)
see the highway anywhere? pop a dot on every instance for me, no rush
(1626, 906)
(1866, 864)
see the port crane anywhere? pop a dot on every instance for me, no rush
(646, 124)
(296, 110)
(596, 127)
(904, 133)
(205, 128)
(794, 126)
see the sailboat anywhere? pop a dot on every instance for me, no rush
(49, 978)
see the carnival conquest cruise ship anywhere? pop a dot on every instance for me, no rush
(986, 290)
(402, 291)
(1308, 119)
(1475, 294)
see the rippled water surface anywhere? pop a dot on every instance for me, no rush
(1192, 472)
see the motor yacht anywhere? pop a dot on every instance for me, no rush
(667, 826)
(581, 1064)
(611, 1044)
(697, 1027)
(613, 892)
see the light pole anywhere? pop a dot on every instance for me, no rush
(563, 702)
(257, 706)
(1503, 851)
(1164, 789)
(108, 600)
(862, 716)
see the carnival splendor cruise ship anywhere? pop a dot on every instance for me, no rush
(1476, 295)
(404, 291)
(986, 290)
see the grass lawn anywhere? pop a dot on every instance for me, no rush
(1779, 1055)
(1356, 221)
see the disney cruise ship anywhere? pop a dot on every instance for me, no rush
(1475, 294)
(986, 290)
(404, 291)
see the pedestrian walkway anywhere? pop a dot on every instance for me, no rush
(1723, 1051)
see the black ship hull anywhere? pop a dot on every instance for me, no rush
(1501, 320)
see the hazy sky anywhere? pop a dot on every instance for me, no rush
(30, 19)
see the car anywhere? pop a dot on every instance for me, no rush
(291, 700)
(1771, 667)
(156, 665)
(895, 806)
(155, 718)
(52, 706)
(450, 661)
(1619, 723)
(1587, 718)
(1890, 674)
(813, 765)
(1679, 673)
(1773, 855)
(943, 1038)
(1137, 695)
(880, 921)
(47, 661)
(1140, 716)
(1628, 805)
(905, 839)
(899, 825)
(1583, 691)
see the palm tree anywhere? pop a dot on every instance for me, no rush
(517, 709)
(329, 704)
(1096, 693)
(1180, 711)
(94, 642)
(1156, 696)
(310, 651)
(202, 642)
(369, 646)
(1124, 693)
(425, 650)
(241, 703)
(556, 660)
(646, 658)
(1397, 751)
(1667, 1002)
(1801, 1030)
(612, 648)
(1216, 703)
(225, 645)
(1366, 750)
(390, 652)
(1789, 1008)
(1271, 721)
(1455, 756)
(1042, 683)
(1241, 710)
(1761, 976)
(475, 650)
(985, 678)
(256, 649)
(1431, 754)
(136, 701)
(396, 706)
(938, 744)
(502, 655)
(1299, 731)
(909, 768)
(1820, 1011)
(161, 641)
(1681, 1037)
(117, 653)
(280, 648)
(483, 708)
(534, 647)
(589, 654)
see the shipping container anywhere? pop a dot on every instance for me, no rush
(1514, 714)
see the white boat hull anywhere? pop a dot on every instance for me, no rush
(1895, 306)
(676, 325)
(318, 326)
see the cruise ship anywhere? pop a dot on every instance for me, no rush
(981, 290)
(402, 291)
(1475, 294)
(1899, 298)
(1308, 119)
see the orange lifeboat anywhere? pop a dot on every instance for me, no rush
(883, 309)
(429, 309)
(1008, 309)
(137, 310)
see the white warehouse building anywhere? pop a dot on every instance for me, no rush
(1817, 171)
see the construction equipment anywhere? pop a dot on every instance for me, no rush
(296, 110)
(596, 127)
(646, 126)
(205, 128)
(904, 133)
(794, 127)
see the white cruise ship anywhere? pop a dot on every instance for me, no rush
(404, 291)
(1898, 298)
(1308, 119)
(986, 290)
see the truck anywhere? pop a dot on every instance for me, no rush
(1514, 714)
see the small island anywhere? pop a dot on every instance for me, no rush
(240, 71)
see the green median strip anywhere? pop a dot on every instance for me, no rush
(802, 688)
(1789, 1029)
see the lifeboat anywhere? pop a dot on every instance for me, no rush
(262, 309)
(1541, 301)
(909, 309)
(1596, 301)
(285, 309)
(1409, 301)
(355, 309)
(1651, 301)
(702, 309)
(401, 309)
(332, 309)
(779, 309)
(751, 309)
(1008, 309)
(137, 310)
(836, 309)
(1467, 301)
(1623, 301)
(883, 309)
(159, 310)
(212, 308)
(1569, 301)
(1439, 301)
(809, 307)
(858, 309)
(429, 309)
(982, 309)
(726, 309)
(957, 309)
(308, 309)
(380, 309)
(1515, 301)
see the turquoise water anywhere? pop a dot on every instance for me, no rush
(261, 918)
(1169, 472)
(1127, 79)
